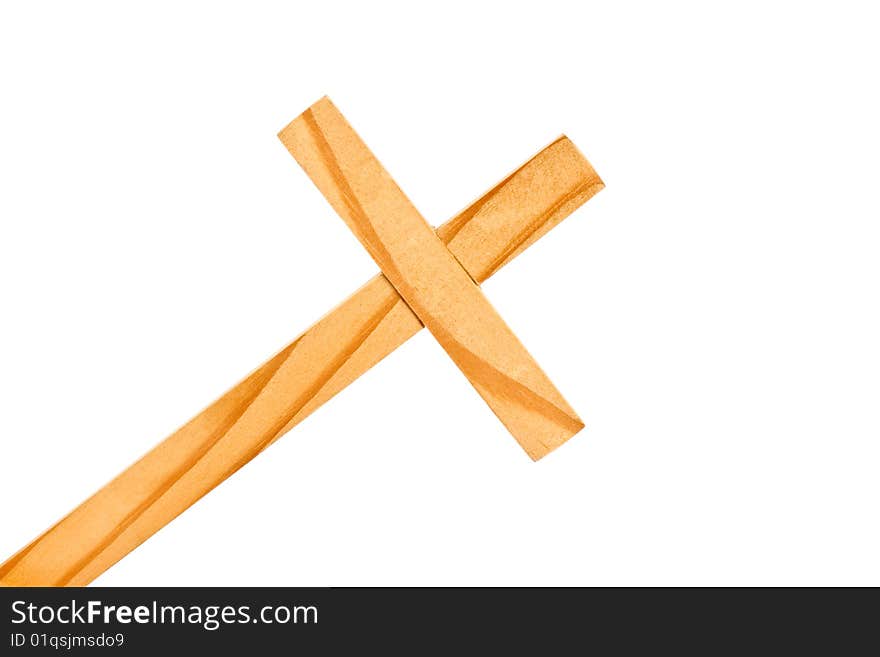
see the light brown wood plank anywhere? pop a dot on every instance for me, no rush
(288, 387)
(430, 279)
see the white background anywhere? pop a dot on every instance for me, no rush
(712, 315)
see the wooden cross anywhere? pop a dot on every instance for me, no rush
(428, 279)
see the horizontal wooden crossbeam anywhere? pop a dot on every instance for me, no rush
(428, 277)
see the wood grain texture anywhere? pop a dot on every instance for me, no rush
(430, 279)
(295, 382)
